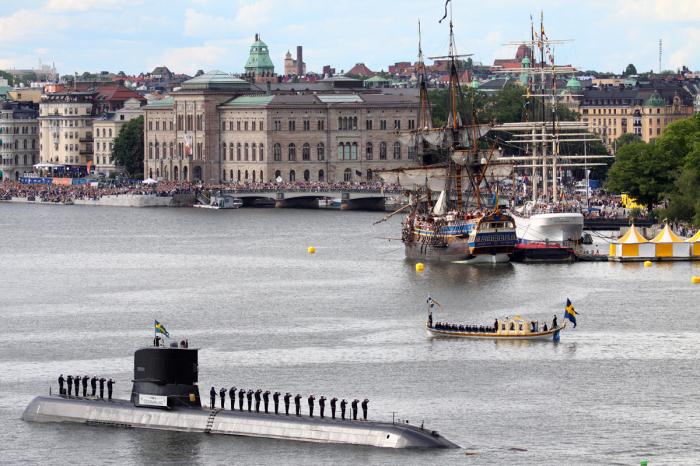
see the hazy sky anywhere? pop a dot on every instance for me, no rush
(186, 35)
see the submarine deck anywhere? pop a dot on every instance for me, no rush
(122, 413)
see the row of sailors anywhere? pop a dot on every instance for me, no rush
(464, 328)
(259, 396)
(76, 381)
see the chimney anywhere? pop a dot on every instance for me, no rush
(300, 61)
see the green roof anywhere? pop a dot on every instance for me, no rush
(215, 80)
(259, 59)
(160, 103)
(655, 100)
(249, 101)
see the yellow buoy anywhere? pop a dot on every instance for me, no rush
(311, 250)
(647, 264)
(695, 279)
(420, 267)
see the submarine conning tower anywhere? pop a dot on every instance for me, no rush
(166, 377)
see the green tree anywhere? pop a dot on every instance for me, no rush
(8, 76)
(128, 148)
(630, 70)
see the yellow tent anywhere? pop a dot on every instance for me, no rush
(668, 244)
(632, 245)
(694, 244)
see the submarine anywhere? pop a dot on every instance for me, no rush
(165, 396)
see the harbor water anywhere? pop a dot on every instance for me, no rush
(81, 286)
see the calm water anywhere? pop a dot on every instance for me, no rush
(80, 287)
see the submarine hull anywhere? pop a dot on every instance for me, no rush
(122, 413)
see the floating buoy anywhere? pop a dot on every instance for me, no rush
(695, 279)
(647, 264)
(420, 267)
(311, 250)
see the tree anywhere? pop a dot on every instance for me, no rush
(128, 148)
(631, 70)
(8, 76)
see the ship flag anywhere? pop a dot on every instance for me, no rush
(570, 313)
(159, 328)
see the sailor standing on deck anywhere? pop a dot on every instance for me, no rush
(222, 396)
(102, 387)
(365, 402)
(276, 399)
(232, 396)
(343, 404)
(297, 404)
(76, 380)
(334, 400)
(212, 397)
(258, 392)
(110, 385)
(354, 409)
(69, 380)
(61, 380)
(286, 403)
(266, 399)
(311, 405)
(249, 397)
(322, 405)
(86, 378)
(241, 397)
(93, 385)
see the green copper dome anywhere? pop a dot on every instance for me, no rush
(655, 101)
(259, 62)
(573, 84)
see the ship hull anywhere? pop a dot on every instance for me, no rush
(553, 227)
(122, 413)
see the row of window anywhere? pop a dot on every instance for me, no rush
(18, 129)
(16, 145)
(14, 160)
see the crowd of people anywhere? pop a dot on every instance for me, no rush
(259, 401)
(75, 382)
(94, 191)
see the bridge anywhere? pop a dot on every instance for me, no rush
(350, 199)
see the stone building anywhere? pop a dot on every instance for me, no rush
(19, 139)
(217, 128)
(106, 128)
(646, 111)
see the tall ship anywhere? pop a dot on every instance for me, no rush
(458, 226)
(550, 215)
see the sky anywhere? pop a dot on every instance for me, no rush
(186, 35)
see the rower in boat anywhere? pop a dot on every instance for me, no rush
(510, 328)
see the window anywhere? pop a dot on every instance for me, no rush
(320, 151)
(292, 125)
(291, 153)
(382, 124)
(369, 151)
(277, 153)
(397, 151)
(306, 152)
(307, 125)
(382, 151)
(368, 125)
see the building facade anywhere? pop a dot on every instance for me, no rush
(613, 111)
(217, 130)
(106, 128)
(19, 139)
